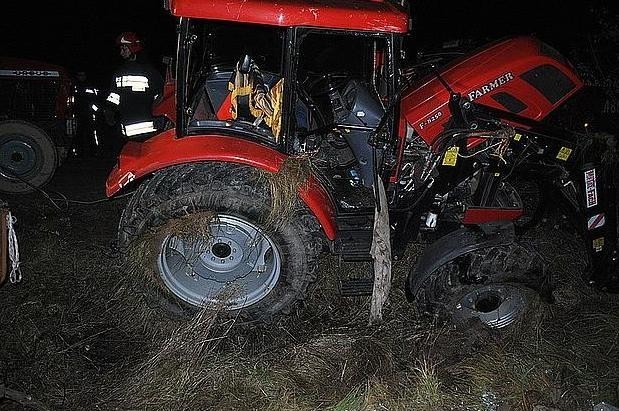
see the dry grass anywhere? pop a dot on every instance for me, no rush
(195, 226)
(192, 229)
(172, 374)
(428, 387)
(285, 185)
(78, 335)
(328, 358)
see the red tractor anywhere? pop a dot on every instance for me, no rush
(36, 122)
(259, 84)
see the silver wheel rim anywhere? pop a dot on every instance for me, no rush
(236, 266)
(18, 156)
(496, 305)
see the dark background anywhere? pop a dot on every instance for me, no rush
(80, 35)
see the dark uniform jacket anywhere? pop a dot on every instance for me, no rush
(135, 87)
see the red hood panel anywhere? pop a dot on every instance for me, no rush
(521, 75)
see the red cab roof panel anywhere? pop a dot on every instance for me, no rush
(367, 15)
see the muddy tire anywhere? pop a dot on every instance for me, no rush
(243, 266)
(28, 157)
(493, 285)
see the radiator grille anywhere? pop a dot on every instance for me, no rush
(26, 99)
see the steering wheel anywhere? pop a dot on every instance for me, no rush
(325, 83)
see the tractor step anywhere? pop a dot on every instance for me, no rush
(356, 287)
(354, 237)
(354, 246)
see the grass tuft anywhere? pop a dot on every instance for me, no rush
(285, 185)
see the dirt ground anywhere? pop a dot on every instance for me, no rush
(77, 333)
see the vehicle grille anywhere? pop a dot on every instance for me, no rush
(31, 100)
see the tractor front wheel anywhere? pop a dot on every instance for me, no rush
(493, 285)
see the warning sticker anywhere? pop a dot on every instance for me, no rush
(564, 153)
(590, 188)
(517, 136)
(598, 244)
(596, 221)
(451, 156)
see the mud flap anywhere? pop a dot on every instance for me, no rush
(456, 244)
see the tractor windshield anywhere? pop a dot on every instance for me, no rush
(344, 85)
(234, 78)
(343, 79)
(330, 60)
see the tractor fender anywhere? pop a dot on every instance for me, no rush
(456, 244)
(140, 159)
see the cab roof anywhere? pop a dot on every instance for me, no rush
(365, 15)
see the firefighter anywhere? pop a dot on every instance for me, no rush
(136, 86)
(87, 105)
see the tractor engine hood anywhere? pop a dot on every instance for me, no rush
(521, 75)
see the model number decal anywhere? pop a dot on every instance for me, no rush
(29, 73)
(494, 84)
(590, 188)
(430, 119)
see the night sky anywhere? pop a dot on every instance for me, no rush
(80, 34)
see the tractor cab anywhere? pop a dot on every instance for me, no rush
(299, 79)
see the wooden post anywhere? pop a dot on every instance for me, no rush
(381, 253)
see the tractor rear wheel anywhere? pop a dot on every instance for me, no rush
(232, 261)
(28, 157)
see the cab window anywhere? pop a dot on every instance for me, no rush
(235, 77)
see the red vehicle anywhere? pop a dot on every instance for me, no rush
(36, 122)
(259, 83)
